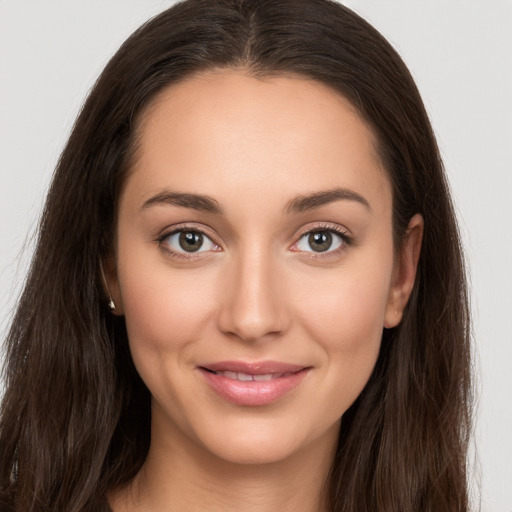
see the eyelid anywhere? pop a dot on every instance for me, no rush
(343, 233)
(183, 226)
(186, 226)
(323, 225)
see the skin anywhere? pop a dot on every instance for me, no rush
(258, 291)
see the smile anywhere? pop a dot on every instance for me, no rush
(245, 377)
(253, 384)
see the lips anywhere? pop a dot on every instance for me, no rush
(253, 384)
(246, 377)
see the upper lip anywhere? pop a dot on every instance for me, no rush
(253, 368)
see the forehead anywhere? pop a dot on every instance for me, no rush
(222, 132)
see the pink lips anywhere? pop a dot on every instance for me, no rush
(253, 384)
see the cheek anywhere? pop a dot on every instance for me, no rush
(344, 314)
(164, 310)
(165, 313)
(346, 320)
(347, 309)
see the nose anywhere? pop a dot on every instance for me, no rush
(253, 303)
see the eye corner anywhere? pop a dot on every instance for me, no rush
(171, 241)
(338, 240)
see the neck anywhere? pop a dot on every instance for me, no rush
(178, 475)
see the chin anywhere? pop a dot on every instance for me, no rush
(257, 441)
(254, 451)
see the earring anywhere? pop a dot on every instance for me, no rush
(111, 304)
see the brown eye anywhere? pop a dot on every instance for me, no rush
(320, 241)
(190, 241)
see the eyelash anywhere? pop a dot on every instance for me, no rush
(187, 229)
(346, 240)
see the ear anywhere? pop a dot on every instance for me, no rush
(404, 272)
(108, 268)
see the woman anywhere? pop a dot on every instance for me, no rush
(248, 290)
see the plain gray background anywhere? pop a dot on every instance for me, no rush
(460, 53)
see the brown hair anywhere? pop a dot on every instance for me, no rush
(75, 415)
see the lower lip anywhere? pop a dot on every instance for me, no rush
(253, 393)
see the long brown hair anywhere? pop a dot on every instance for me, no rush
(75, 415)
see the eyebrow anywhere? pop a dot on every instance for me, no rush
(308, 202)
(298, 204)
(194, 201)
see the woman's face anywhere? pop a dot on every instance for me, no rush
(255, 263)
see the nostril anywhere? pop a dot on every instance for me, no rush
(252, 307)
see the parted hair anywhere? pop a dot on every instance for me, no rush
(75, 415)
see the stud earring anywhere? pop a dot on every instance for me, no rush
(111, 303)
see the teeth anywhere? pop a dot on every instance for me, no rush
(267, 376)
(245, 377)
